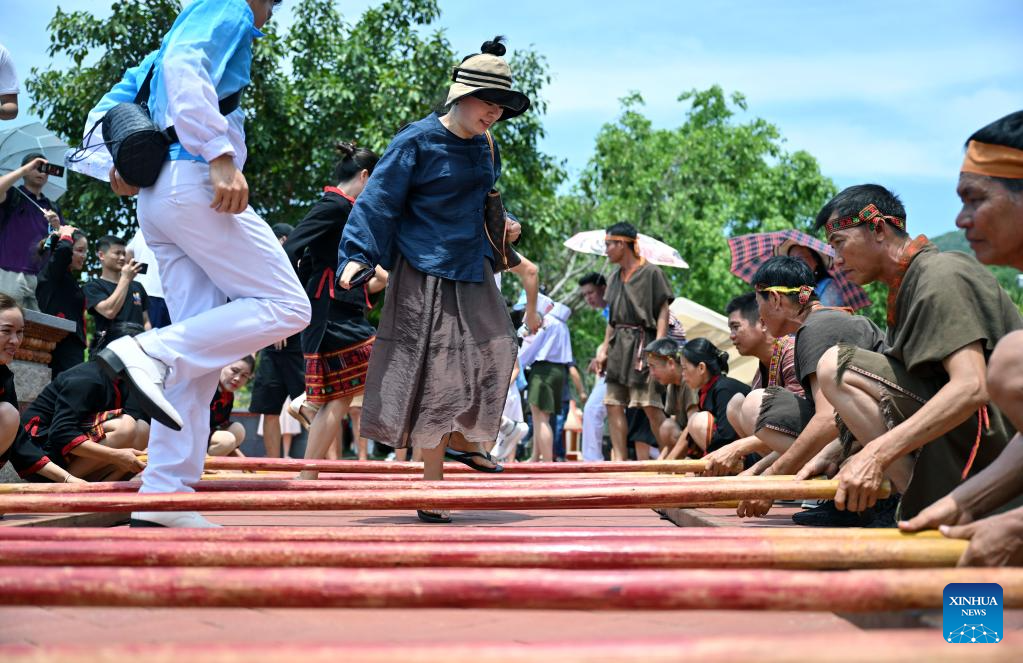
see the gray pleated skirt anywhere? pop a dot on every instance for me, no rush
(442, 361)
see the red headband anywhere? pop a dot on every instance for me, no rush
(869, 214)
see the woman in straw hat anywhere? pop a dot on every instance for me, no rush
(445, 347)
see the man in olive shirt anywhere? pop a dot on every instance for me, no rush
(926, 394)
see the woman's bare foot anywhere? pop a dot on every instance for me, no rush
(307, 475)
(459, 443)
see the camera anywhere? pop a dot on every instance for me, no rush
(51, 169)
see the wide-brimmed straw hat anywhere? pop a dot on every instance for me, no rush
(488, 77)
(786, 246)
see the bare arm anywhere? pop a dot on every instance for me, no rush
(8, 180)
(818, 433)
(8, 106)
(662, 321)
(601, 359)
(378, 282)
(529, 275)
(126, 459)
(577, 380)
(963, 394)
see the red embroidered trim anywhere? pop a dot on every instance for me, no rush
(705, 389)
(39, 464)
(869, 214)
(909, 252)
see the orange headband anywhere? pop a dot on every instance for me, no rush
(993, 160)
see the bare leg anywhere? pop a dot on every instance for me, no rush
(433, 465)
(735, 415)
(321, 433)
(401, 454)
(701, 429)
(417, 455)
(120, 434)
(543, 435)
(272, 435)
(619, 428)
(668, 436)
(225, 442)
(642, 451)
(1005, 378)
(362, 443)
(858, 400)
(9, 422)
(656, 417)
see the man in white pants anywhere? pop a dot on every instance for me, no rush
(592, 288)
(206, 240)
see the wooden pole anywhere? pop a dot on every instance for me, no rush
(616, 554)
(887, 646)
(731, 589)
(359, 467)
(595, 497)
(414, 483)
(394, 533)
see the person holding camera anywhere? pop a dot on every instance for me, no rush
(26, 217)
(115, 296)
(60, 294)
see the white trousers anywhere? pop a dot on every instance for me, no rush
(230, 291)
(594, 415)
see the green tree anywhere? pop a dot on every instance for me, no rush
(692, 186)
(325, 80)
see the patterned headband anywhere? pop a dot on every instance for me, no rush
(869, 214)
(805, 291)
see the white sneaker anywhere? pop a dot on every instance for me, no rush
(124, 358)
(170, 519)
(518, 433)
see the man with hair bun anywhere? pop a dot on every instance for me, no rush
(801, 431)
(925, 397)
(638, 296)
(991, 189)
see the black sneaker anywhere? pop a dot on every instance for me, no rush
(826, 515)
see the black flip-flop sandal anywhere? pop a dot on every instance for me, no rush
(469, 458)
(432, 517)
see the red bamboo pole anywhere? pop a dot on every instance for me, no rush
(595, 497)
(620, 554)
(732, 589)
(256, 475)
(360, 467)
(888, 646)
(416, 483)
(447, 535)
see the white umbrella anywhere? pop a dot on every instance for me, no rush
(655, 251)
(17, 143)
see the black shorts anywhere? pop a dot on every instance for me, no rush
(278, 376)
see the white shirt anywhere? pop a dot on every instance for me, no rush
(142, 253)
(8, 75)
(553, 342)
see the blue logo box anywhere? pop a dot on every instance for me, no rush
(972, 612)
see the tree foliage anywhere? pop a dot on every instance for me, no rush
(720, 172)
(324, 80)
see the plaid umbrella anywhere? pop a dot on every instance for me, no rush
(751, 251)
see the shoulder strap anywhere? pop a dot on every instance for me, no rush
(227, 105)
(490, 141)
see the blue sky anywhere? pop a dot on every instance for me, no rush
(878, 91)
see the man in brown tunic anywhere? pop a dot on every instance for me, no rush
(991, 188)
(638, 296)
(798, 429)
(926, 395)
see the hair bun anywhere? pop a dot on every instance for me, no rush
(345, 149)
(723, 361)
(494, 46)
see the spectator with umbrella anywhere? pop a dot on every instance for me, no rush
(749, 252)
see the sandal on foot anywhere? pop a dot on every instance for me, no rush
(469, 458)
(432, 517)
(295, 410)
